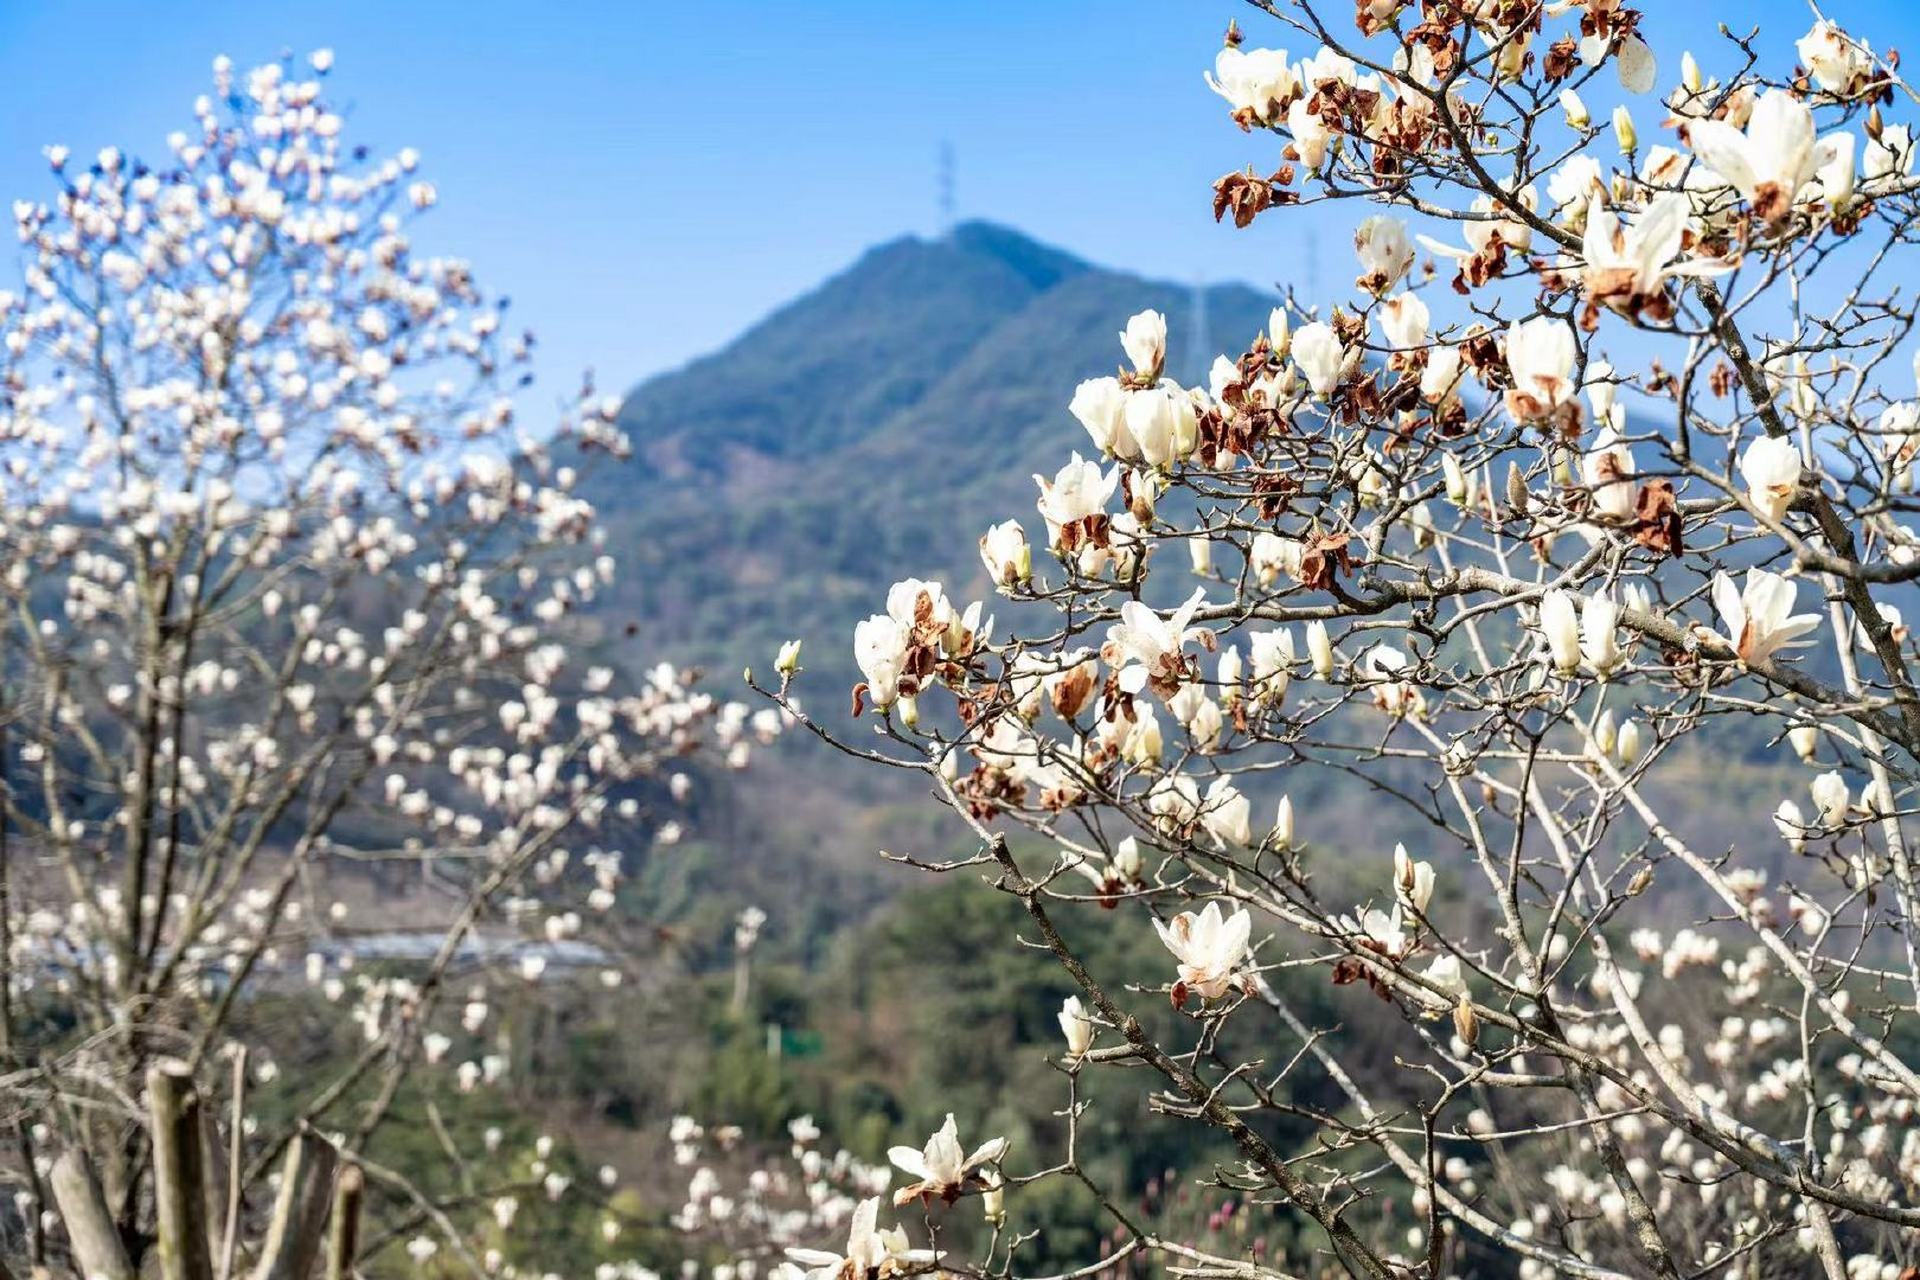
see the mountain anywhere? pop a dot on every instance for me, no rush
(865, 432)
(871, 430)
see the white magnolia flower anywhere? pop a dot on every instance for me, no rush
(1146, 648)
(1771, 161)
(1386, 931)
(1760, 620)
(1320, 355)
(1311, 136)
(1447, 973)
(1100, 404)
(1145, 342)
(1162, 422)
(1792, 824)
(1208, 947)
(1273, 658)
(1077, 491)
(1805, 740)
(1227, 670)
(1829, 792)
(880, 648)
(1771, 468)
(1890, 155)
(1607, 470)
(1560, 627)
(1385, 252)
(871, 1253)
(1386, 667)
(1272, 555)
(1226, 814)
(1076, 1026)
(1257, 83)
(1541, 353)
(1412, 881)
(943, 1168)
(1838, 63)
(1626, 264)
(1834, 170)
(1403, 321)
(1005, 552)
(1440, 377)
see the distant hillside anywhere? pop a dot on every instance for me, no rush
(872, 430)
(866, 431)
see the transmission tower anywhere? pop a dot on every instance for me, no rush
(1200, 336)
(945, 188)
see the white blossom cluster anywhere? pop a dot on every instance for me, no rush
(1603, 508)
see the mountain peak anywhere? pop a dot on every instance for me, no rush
(1040, 265)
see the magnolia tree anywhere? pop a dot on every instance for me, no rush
(288, 598)
(1613, 480)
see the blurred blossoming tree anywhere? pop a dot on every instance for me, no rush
(290, 597)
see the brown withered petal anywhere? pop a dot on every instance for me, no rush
(1325, 555)
(1656, 513)
(1244, 194)
(1563, 58)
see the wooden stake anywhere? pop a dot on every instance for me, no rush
(344, 1241)
(90, 1228)
(179, 1173)
(300, 1212)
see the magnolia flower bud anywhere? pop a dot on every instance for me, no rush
(909, 711)
(1279, 332)
(1690, 72)
(1075, 1026)
(1560, 626)
(1630, 745)
(1829, 792)
(1145, 342)
(1623, 130)
(788, 663)
(993, 1200)
(1577, 115)
(1466, 1024)
(1605, 735)
(1127, 860)
(1642, 880)
(1282, 838)
(1200, 552)
(1420, 521)
(1792, 824)
(1320, 649)
(1806, 741)
(1517, 496)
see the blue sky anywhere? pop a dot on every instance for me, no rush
(646, 179)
